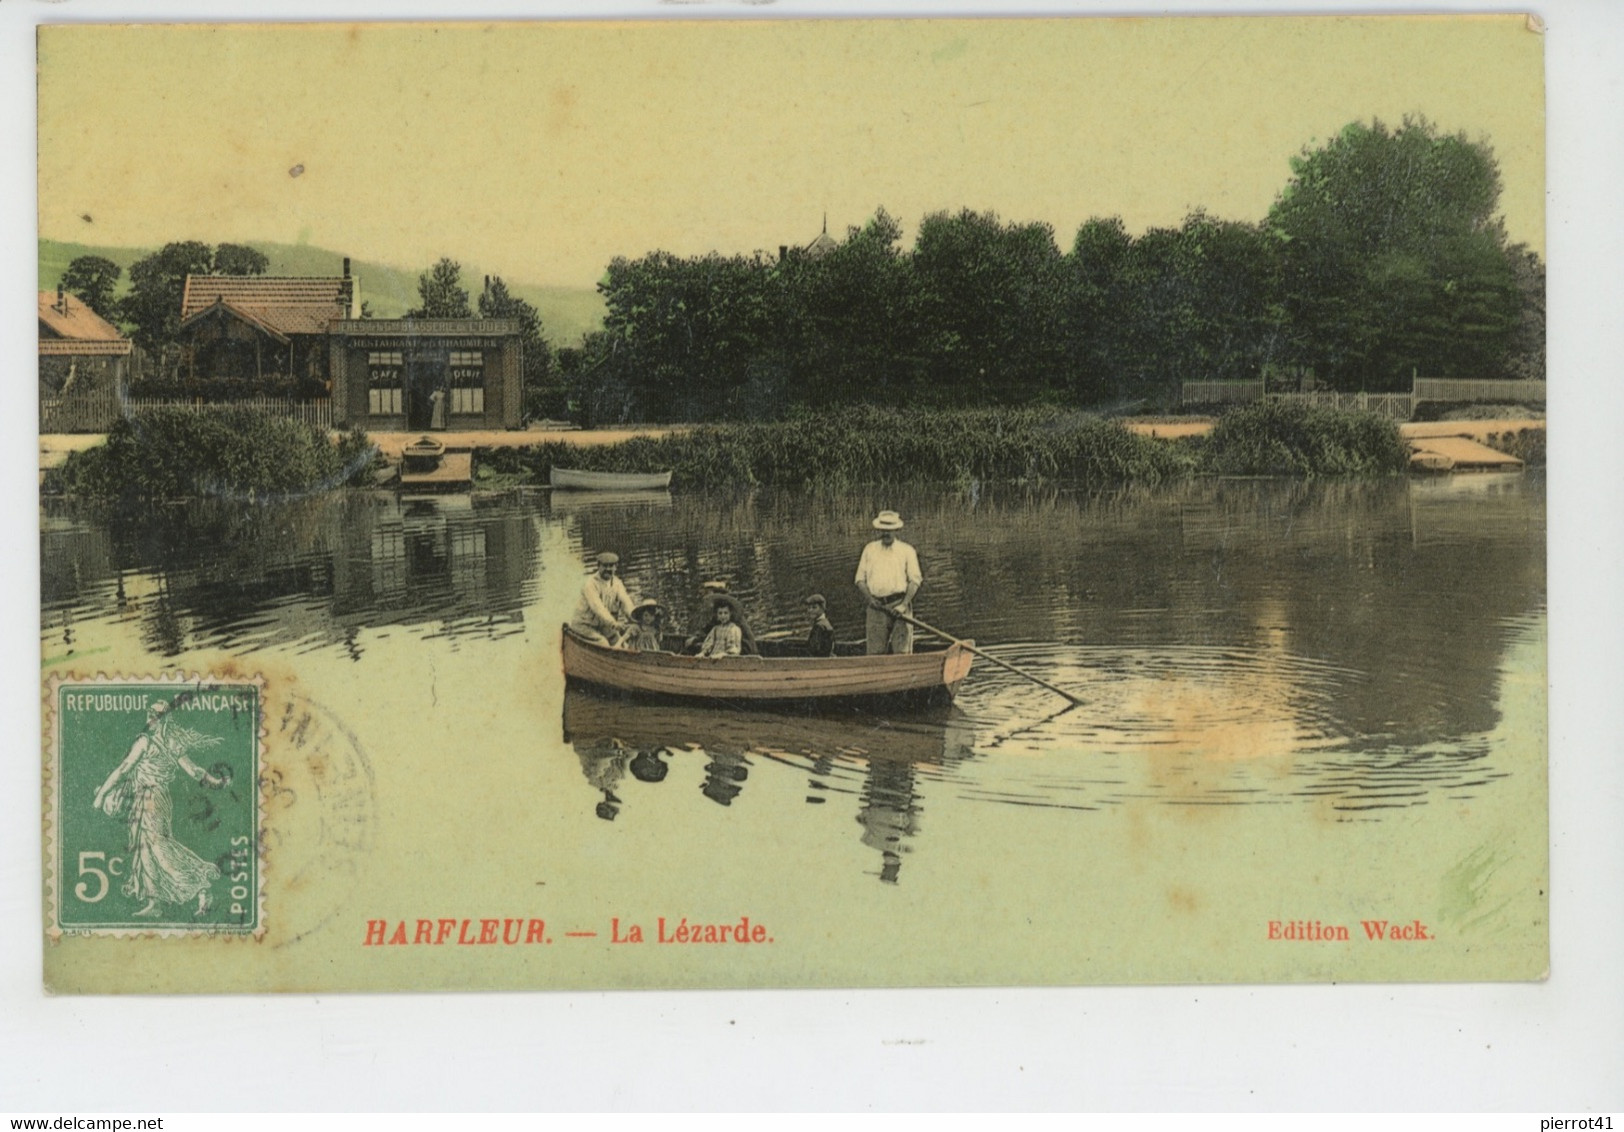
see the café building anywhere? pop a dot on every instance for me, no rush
(412, 374)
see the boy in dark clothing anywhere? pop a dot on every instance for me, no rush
(820, 638)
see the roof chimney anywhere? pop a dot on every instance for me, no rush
(346, 267)
(783, 252)
(61, 300)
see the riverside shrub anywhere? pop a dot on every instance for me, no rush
(1290, 438)
(168, 454)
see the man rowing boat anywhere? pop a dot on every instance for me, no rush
(888, 577)
(605, 609)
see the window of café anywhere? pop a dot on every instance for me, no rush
(386, 373)
(467, 381)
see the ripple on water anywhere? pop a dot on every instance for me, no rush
(1191, 726)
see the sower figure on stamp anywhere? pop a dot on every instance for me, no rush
(888, 577)
(605, 609)
(161, 868)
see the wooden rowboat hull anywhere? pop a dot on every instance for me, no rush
(918, 678)
(575, 480)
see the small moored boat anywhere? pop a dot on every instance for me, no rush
(575, 480)
(931, 675)
(427, 465)
(422, 454)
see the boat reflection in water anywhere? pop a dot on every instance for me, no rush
(882, 765)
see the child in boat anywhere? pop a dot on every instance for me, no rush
(643, 635)
(715, 595)
(725, 639)
(820, 638)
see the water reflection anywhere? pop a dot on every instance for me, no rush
(306, 574)
(876, 766)
(1341, 647)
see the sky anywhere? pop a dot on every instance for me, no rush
(542, 150)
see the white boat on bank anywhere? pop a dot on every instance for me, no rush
(571, 479)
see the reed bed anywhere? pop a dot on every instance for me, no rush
(878, 446)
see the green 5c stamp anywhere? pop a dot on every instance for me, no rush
(154, 806)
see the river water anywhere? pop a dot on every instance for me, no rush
(1300, 700)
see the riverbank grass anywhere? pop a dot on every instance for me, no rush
(1023, 446)
(876, 446)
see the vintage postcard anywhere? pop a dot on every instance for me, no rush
(792, 503)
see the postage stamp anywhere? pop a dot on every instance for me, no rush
(154, 806)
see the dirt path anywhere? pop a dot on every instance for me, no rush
(1410, 430)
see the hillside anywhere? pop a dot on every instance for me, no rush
(566, 312)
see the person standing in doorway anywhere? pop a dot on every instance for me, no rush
(437, 409)
(888, 577)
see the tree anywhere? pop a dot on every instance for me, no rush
(1202, 304)
(990, 307)
(92, 278)
(540, 396)
(687, 339)
(440, 289)
(238, 259)
(1393, 257)
(157, 283)
(839, 325)
(1527, 358)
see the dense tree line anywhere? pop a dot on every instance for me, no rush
(1382, 256)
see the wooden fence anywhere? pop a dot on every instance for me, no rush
(1471, 389)
(1398, 406)
(1394, 406)
(1219, 392)
(96, 412)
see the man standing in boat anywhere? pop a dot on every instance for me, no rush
(605, 608)
(888, 577)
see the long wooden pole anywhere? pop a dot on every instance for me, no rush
(918, 624)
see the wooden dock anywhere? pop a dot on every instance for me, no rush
(1457, 454)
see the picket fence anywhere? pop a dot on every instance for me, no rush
(96, 412)
(1398, 406)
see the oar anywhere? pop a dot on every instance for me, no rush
(918, 624)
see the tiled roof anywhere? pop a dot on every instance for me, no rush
(281, 304)
(254, 318)
(83, 347)
(76, 321)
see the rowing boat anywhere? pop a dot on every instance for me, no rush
(576, 480)
(929, 676)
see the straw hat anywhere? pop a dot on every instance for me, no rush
(646, 603)
(608, 558)
(815, 599)
(713, 587)
(888, 521)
